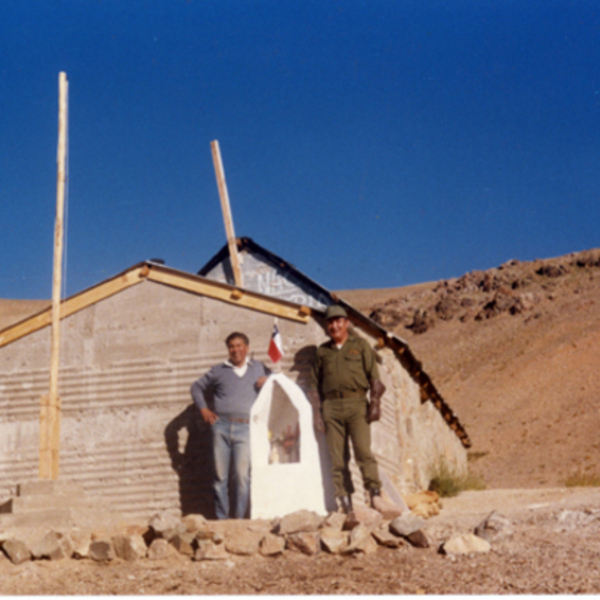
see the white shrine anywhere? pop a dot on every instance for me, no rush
(287, 466)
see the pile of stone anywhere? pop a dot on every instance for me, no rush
(167, 535)
(493, 528)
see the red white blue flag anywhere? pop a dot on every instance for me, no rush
(275, 345)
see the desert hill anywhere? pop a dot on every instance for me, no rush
(514, 350)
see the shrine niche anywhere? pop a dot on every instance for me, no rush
(286, 466)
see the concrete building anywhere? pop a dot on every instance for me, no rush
(132, 345)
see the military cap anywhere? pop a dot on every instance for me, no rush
(334, 311)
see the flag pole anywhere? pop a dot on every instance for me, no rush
(50, 403)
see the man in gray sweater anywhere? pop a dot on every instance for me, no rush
(225, 396)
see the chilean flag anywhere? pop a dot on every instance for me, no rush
(275, 346)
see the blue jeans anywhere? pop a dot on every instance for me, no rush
(231, 449)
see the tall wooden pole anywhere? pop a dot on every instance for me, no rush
(50, 412)
(226, 209)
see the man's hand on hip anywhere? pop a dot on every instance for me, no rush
(209, 416)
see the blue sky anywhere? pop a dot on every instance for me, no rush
(371, 144)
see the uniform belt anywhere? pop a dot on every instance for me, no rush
(337, 395)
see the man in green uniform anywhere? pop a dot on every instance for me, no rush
(345, 369)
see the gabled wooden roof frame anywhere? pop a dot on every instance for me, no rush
(200, 285)
(164, 275)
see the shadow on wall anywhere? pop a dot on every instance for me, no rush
(303, 362)
(188, 441)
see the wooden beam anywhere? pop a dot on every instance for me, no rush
(72, 305)
(306, 311)
(223, 292)
(226, 209)
(49, 414)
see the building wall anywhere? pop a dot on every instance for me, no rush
(130, 433)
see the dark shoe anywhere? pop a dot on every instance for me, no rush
(373, 492)
(345, 503)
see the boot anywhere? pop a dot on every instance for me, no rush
(345, 503)
(374, 492)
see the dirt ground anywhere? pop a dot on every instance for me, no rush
(554, 549)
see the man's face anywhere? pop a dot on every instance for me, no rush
(238, 350)
(337, 328)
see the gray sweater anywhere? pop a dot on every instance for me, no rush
(230, 395)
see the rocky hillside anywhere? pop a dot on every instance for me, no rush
(515, 352)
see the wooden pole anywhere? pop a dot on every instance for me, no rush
(50, 409)
(226, 209)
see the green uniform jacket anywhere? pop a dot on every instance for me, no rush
(346, 372)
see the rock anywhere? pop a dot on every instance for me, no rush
(129, 547)
(166, 525)
(184, 543)
(363, 515)
(421, 322)
(494, 527)
(205, 534)
(272, 545)
(406, 525)
(383, 537)
(16, 550)
(218, 538)
(307, 542)
(261, 525)
(160, 549)
(299, 521)
(81, 542)
(426, 510)
(244, 543)
(446, 308)
(550, 271)
(523, 303)
(503, 301)
(210, 551)
(386, 508)
(361, 540)
(101, 550)
(335, 520)
(588, 258)
(466, 543)
(424, 497)
(53, 546)
(334, 540)
(135, 529)
(574, 519)
(418, 539)
(194, 523)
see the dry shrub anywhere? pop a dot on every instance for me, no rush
(581, 479)
(447, 483)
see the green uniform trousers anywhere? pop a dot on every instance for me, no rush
(347, 419)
